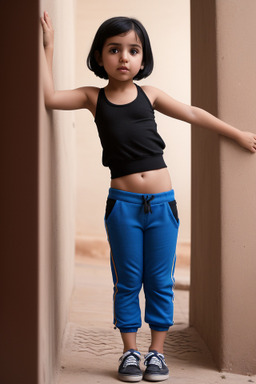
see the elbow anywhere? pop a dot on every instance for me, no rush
(48, 106)
(48, 102)
(195, 115)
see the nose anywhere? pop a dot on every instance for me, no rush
(124, 56)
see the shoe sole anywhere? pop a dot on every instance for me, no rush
(152, 377)
(130, 378)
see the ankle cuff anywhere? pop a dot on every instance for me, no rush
(128, 330)
(159, 329)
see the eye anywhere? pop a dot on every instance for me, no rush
(113, 50)
(134, 51)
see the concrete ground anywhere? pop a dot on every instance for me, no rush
(91, 346)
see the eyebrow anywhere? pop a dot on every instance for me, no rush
(131, 45)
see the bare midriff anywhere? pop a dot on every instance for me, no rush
(156, 181)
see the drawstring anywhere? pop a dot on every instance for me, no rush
(146, 202)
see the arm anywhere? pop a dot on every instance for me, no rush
(67, 99)
(193, 115)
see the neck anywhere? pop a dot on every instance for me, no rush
(120, 86)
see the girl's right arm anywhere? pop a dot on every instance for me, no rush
(83, 97)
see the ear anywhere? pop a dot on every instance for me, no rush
(142, 67)
(98, 58)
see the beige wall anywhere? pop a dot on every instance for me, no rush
(223, 262)
(37, 196)
(57, 197)
(168, 25)
(205, 292)
(236, 58)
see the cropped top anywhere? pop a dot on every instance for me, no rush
(128, 135)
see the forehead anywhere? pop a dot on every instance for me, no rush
(127, 38)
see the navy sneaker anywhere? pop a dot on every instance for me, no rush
(129, 368)
(157, 369)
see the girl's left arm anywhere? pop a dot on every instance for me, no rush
(193, 115)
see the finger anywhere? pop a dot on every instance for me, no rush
(48, 19)
(44, 25)
(46, 15)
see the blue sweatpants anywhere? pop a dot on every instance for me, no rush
(142, 232)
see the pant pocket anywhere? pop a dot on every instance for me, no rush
(174, 209)
(109, 207)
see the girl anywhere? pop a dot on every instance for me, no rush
(141, 216)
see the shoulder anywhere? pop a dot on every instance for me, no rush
(91, 92)
(164, 103)
(152, 93)
(91, 96)
(87, 97)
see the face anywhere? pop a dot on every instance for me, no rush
(122, 56)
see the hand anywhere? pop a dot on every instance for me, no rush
(247, 140)
(48, 32)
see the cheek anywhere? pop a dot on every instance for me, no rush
(109, 61)
(138, 61)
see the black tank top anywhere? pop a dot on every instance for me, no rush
(128, 135)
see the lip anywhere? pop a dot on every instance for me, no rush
(123, 69)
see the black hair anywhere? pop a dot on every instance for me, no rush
(117, 26)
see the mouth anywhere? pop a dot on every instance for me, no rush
(123, 69)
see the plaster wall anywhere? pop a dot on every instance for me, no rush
(205, 292)
(167, 23)
(236, 60)
(56, 196)
(223, 262)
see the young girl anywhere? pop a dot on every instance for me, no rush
(141, 216)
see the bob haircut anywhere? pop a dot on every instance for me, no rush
(117, 26)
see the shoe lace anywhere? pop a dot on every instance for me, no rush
(154, 358)
(131, 358)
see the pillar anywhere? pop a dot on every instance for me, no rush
(223, 261)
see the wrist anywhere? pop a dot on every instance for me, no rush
(49, 47)
(238, 135)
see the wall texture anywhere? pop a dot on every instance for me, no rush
(57, 172)
(223, 262)
(205, 299)
(167, 23)
(37, 195)
(236, 58)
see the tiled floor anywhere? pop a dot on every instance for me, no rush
(92, 347)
